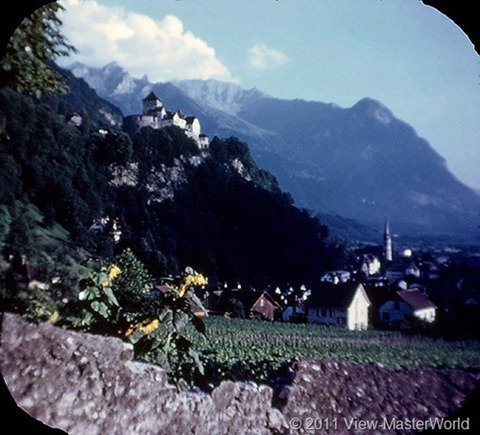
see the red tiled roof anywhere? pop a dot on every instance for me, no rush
(416, 299)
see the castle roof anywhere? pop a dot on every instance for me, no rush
(151, 97)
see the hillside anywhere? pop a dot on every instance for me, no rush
(361, 163)
(176, 206)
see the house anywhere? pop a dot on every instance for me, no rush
(262, 306)
(343, 305)
(401, 270)
(407, 302)
(370, 265)
(336, 276)
(248, 304)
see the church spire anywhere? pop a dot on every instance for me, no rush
(387, 242)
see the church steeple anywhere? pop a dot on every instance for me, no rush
(387, 242)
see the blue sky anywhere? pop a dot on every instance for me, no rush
(409, 56)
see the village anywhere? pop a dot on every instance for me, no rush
(384, 288)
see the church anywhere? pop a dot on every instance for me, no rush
(155, 115)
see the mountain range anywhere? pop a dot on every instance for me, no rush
(353, 166)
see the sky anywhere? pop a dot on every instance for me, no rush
(406, 55)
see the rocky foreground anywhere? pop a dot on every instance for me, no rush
(85, 384)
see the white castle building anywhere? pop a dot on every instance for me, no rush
(156, 116)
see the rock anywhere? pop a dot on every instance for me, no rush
(89, 384)
(276, 420)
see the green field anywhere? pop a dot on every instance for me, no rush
(256, 350)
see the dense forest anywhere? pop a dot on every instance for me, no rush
(174, 205)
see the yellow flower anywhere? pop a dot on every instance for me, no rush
(182, 289)
(53, 318)
(189, 281)
(129, 331)
(149, 327)
(114, 272)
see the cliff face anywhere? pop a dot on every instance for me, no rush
(87, 384)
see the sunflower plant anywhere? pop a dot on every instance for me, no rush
(169, 337)
(97, 308)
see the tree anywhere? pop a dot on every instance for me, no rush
(36, 42)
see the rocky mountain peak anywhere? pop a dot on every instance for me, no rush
(224, 96)
(373, 109)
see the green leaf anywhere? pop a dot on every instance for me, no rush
(111, 297)
(199, 325)
(88, 294)
(101, 308)
(197, 301)
(180, 320)
(196, 358)
(166, 317)
(100, 278)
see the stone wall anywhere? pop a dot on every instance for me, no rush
(88, 384)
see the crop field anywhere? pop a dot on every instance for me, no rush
(256, 350)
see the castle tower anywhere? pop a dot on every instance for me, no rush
(151, 104)
(387, 242)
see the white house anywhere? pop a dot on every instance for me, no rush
(344, 305)
(370, 264)
(408, 302)
(336, 276)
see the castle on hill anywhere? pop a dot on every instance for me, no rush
(155, 115)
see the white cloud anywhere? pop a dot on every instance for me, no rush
(263, 57)
(162, 49)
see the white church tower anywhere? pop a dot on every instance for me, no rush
(387, 243)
